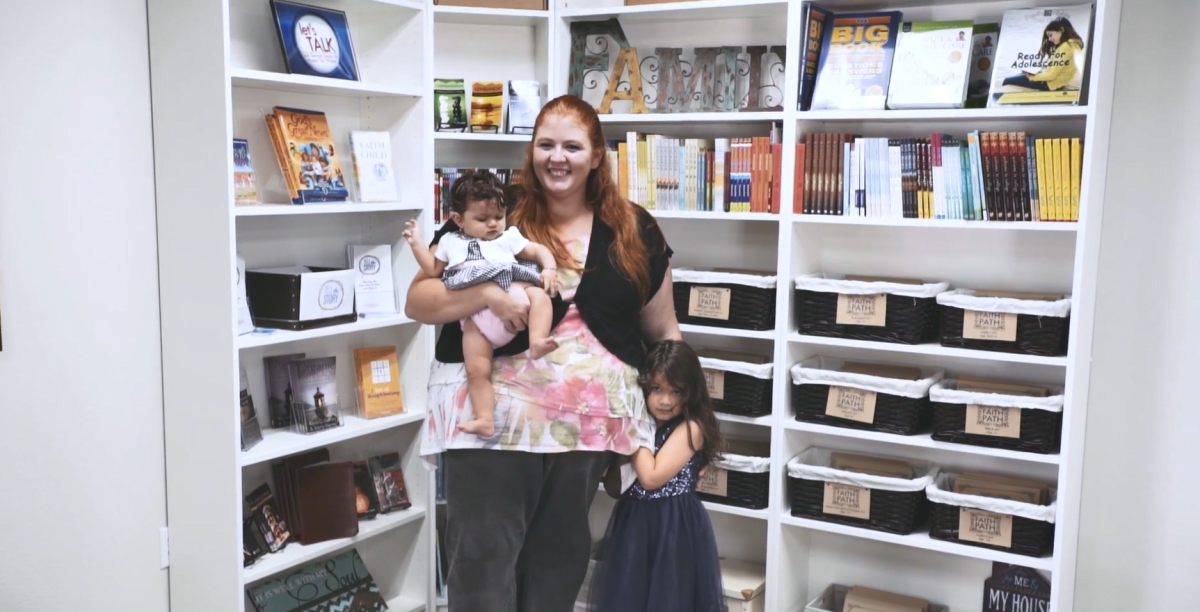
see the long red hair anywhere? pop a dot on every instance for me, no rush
(603, 198)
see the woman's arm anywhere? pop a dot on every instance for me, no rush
(653, 471)
(430, 302)
(658, 315)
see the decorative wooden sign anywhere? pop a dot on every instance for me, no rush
(1013, 588)
(676, 80)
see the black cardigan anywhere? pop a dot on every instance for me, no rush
(607, 300)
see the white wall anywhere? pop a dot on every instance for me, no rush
(81, 457)
(1139, 547)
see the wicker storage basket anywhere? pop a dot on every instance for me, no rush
(738, 383)
(741, 477)
(1011, 526)
(878, 310)
(724, 299)
(996, 419)
(1004, 324)
(823, 393)
(896, 505)
(833, 599)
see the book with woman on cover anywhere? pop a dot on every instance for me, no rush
(1041, 56)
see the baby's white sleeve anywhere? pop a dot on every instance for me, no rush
(445, 247)
(514, 241)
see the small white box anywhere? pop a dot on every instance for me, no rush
(744, 584)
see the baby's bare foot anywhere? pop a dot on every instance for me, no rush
(483, 428)
(541, 348)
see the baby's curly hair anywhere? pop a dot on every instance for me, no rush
(474, 186)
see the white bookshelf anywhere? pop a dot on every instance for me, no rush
(803, 556)
(207, 93)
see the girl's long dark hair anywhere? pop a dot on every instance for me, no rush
(1063, 25)
(680, 366)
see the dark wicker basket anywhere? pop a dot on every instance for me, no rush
(909, 320)
(1036, 335)
(1030, 538)
(750, 308)
(899, 512)
(905, 416)
(745, 396)
(1041, 430)
(745, 490)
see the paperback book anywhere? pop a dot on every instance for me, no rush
(251, 432)
(931, 65)
(314, 394)
(983, 59)
(245, 191)
(1041, 56)
(372, 156)
(856, 62)
(279, 388)
(389, 482)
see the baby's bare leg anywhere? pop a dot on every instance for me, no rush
(477, 357)
(541, 315)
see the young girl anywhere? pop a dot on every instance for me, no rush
(1060, 46)
(659, 554)
(484, 251)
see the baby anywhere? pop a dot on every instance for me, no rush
(481, 251)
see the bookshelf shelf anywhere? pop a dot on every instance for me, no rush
(736, 511)
(300, 83)
(294, 554)
(470, 137)
(266, 210)
(950, 224)
(721, 331)
(918, 441)
(935, 350)
(696, 215)
(268, 337)
(763, 421)
(405, 604)
(919, 540)
(278, 443)
(692, 118)
(947, 114)
(700, 10)
(488, 16)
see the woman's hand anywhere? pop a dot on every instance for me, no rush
(550, 281)
(514, 314)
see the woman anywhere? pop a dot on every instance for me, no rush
(517, 502)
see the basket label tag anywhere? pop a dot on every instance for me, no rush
(853, 404)
(862, 309)
(714, 482)
(846, 500)
(715, 381)
(985, 527)
(979, 325)
(993, 421)
(709, 302)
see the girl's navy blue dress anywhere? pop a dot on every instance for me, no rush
(659, 554)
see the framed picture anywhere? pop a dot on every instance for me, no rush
(315, 40)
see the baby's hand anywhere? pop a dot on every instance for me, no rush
(412, 233)
(550, 282)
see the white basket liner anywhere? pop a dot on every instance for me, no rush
(947, 392)
(708, 277)
(757, 370)
(967, 300)
(743, 463)
(813, 464)
(941, 491)
(817, 370)
(818, 282)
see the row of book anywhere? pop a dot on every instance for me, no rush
(988, 176)
(443, 178)
(494, 106)
(319, 500)
(695, 174)
(875, 60)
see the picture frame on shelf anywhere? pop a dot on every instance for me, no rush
(315, 41)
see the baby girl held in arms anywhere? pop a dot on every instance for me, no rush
(484, 251)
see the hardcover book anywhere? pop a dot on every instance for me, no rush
(340, 583)
(315, 40)
(379, 392)
(251, 431)
(372, 153)
(314, 394)
(307, 155)
(933, 59)
(244, 189)
(856, 63)
(389, 482)
(1041, 56)
(279, 388)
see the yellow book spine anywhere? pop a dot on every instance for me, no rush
(1055, 191)
(1040, 160)
(1076, 171)
(642, 162)
(1064, 179)
(623, 168)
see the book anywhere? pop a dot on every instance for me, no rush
(245, 321)
(245, 191)
(449, 105)
(251, 432)
(931, 65)
(267, 519)
(314, 394)
(1041, 56)
(815, 21)
(371, 153)
(374, 287)
(856, 61)
(983, 59)
(279, 388)
(524, 104)
(366, 500)
(304, 146)
(379, 392)
(253, 545)
(487, 106)
(342, 582)
(315, 40)
(389, 482)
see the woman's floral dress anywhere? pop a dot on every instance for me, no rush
(579, 397)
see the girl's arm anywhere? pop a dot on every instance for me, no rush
(430, 265)
(658, 315)
(653, 471)
(545, 259)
